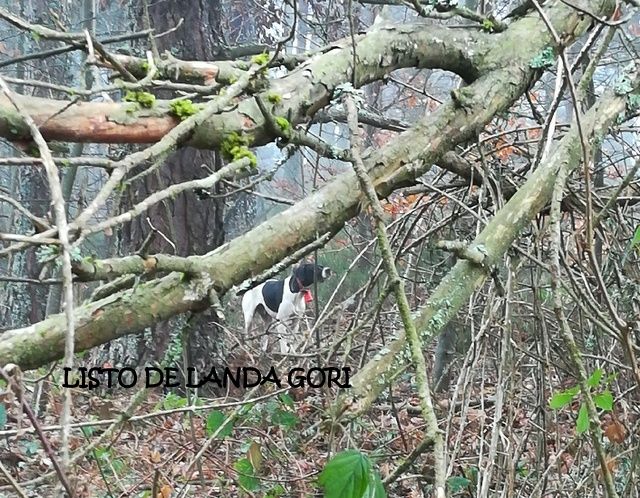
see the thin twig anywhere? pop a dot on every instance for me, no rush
(433, 433)
(58, 202)
(170, 192)
(38, 430)
(565, 329)
(38, 223)
(12, 481)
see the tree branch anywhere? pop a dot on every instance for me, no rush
(428, 413)
(301, 93)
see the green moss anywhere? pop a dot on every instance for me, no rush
(261, 59)
(242, 151)
(463, 97)
(633, 102)
(283, 124)
(145, 99)
(183, 108)
(235, 147)
(232, 140)
(145, 66)
(15, 124)
(623, 86)
(33, 150)
(274, 98)
(544, 59)
(488, 26)
(631, 108)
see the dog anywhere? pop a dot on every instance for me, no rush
(283, 300)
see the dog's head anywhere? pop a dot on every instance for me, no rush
(308, 273)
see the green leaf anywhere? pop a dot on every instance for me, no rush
(573, 391)
(636, 237)
(522, 470)
(287, 400)
(30, 447)
(284, 418)
(75, 254)
(172, 401)
(275, 492)
(246, 409)
(582, 424)
(118, 465)
(375, 488)
(3, 416)
(44, 253)
(102, 453)
(457, 484)
(545, 294)
(215, 420)
(346, 475)
(595, 378)
(471, 473)
(604, 400)
(560, 400)
(88, 430)
(246, 477)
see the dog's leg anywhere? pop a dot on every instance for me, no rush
(249, 306)
(286, 312)
(282, 338)
(265, 340)
(299, 308)
(295, 328)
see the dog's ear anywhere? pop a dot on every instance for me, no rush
(299, 271)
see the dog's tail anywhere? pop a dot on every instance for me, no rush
(237, 291)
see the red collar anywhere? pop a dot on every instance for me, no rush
(308, 297)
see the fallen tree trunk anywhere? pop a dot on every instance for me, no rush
(397, 165)
(299, 94)
(466, 276)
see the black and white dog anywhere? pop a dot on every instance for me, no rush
(283, 300)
